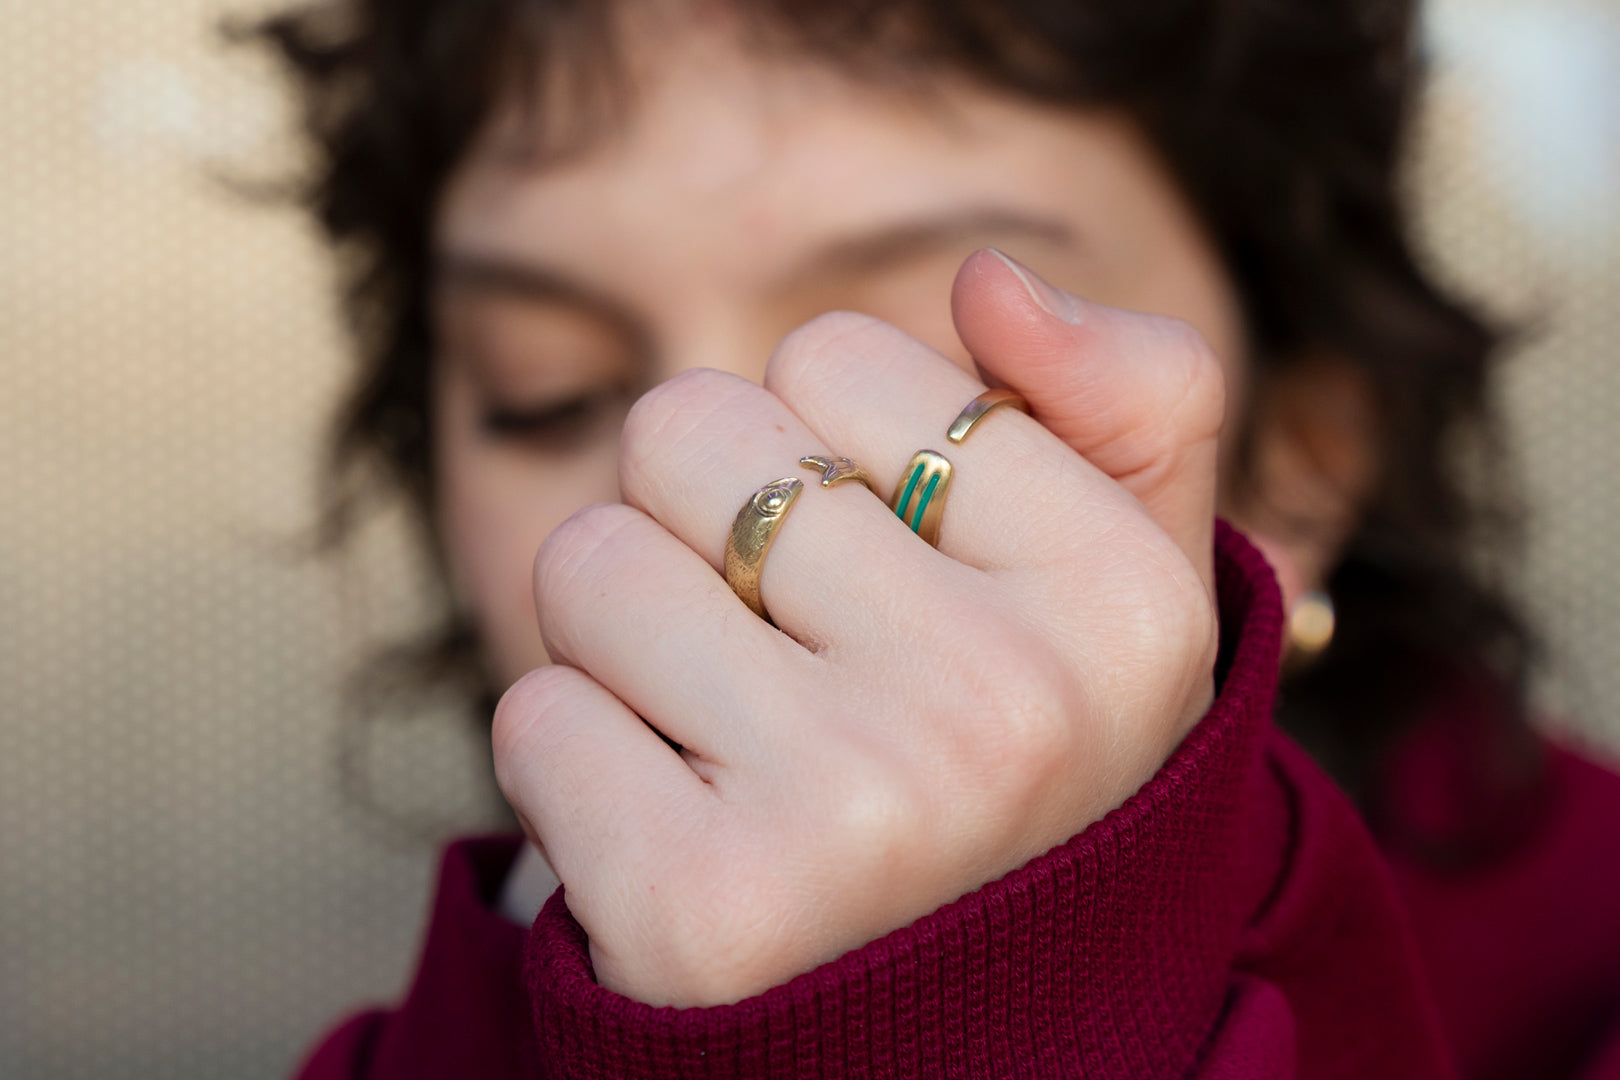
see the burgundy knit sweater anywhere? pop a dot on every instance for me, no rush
(1233, 918)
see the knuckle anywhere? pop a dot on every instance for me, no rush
(879, 807)
(1165, 629)
(1200, 641)
(1179, 336)
(1180, 638)
(1198, 389)
(571, 557)
(1024, 695)
(1170, 604)
(574, 563)
(1011, 701)
(670, 415)
(819, 349)
(521, 723)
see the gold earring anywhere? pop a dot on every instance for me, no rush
(1311, 623)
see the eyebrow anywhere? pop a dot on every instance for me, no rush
(861, 253)
(904, 241)
(498, 275)
(503, 275)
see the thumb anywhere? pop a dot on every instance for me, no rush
(1139, 396)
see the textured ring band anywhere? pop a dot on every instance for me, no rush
(752, 533)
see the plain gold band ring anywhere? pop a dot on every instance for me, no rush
(979, 408)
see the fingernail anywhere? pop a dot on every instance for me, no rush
(1053, 301)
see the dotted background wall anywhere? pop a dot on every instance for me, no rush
(1517, 178)
(184, 892)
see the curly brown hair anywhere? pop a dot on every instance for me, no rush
(1281, 120)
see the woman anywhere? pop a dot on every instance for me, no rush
(1000, 800)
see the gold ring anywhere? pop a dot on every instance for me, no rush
(836, 470)
(752, 533)
(980, 407)
(919, 497)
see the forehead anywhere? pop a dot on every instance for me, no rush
(771, 153)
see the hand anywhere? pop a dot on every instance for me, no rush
(924, 721)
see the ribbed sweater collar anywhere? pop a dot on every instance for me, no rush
(1109, 955)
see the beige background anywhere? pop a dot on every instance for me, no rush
(183, 890)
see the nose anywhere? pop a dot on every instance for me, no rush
(725, 341)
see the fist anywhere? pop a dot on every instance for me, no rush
(730, 802)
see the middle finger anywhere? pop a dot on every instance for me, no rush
(842, 569)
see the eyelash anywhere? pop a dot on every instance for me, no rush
(559, 425)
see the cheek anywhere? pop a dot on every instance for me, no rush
(496, 505)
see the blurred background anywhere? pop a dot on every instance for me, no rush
(185, 888)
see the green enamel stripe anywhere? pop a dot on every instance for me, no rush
(905, 498)
(922, 504)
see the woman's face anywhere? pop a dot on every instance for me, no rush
(742, 196)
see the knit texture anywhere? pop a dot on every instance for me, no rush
(467, 1014)
(1110, 956)
(1233, 919)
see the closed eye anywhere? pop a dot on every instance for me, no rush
(560, 425)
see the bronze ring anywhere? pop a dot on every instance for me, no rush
(752, 533)
(919, 497)
(836, 470)
(980, 407)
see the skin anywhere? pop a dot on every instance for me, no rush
(740, 198)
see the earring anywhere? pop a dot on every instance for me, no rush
(1310, 629)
